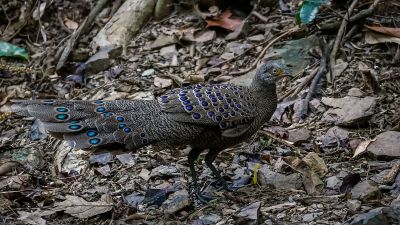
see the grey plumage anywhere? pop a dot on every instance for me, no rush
(206, 116)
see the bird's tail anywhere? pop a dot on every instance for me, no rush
(87, 124)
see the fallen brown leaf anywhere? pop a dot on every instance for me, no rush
(224, 21)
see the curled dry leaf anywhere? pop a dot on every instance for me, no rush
(225, 21)
(391, 31)
(79, 207)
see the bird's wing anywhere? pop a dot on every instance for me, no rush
(230, 107)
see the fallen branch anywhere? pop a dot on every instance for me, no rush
(338, 40)
(82, 28)
(261, 55)
(321, 71)
(362, 14)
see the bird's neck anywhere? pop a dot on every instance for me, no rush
(266, 91)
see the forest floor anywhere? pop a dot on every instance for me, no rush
(328, 157)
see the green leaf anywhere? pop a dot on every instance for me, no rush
(308, 10)
(10, 50)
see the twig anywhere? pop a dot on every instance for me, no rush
(362, 14)
(82, 28)
(299, 151)
(321, 70)
(338, 40)
(261, 55)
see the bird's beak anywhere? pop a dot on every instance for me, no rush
(284, 72)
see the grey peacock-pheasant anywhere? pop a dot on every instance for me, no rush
(205, 116)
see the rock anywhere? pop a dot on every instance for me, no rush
(349, 111)
(102, 60)
(335, 136)
(378, 216)
(168, 51)
(144, 174)
(339, 67)
(316, 105)
(176, 202)
(365, 191)
(298, 136)
(284, 151)
(101, 159)
(237, 47)
(163, 40)
(104, 170)
(127, 159)
(355, 92)
(155, 196)
(227, 55)
(210, 219)
(162, 82)
(386, 145)
(309, 217)
(278, 180)
(148, 73)
(134, 199)
(164, 171)
(256, 38)
(354, 205)
(316, 163)
(381, 178)
(333, 182)
(249, 215)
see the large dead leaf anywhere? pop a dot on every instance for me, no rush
(391, 31)
(79, 207)
(375, 38)
(224, 21)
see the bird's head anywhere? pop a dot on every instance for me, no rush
(272, 71)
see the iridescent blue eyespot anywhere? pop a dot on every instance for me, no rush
(127, 129)
(145, 141)
(182, 93)
(164, 96)
(208, 92)
(210, 114)
(218, 94)
(215, 103)
(238, 105)
(61, 116)
(233, 113)
(204, 103)
(198, 85)
(226, 106)
(211, 96)
(98, 102)
(218, 118)
(183, 98)
(100, 109)
(196, 116)
(202, 99)
(142, 135)
(164, 100)
(189, 108)
(186, 102)
(121, 125)
(214, 100)
(198, 95)
(62, 109)
(226, 115)
(226, 95)
(94, 141)
(120, 118)
(74, 121)
(107, 114)
(220, 98)
(91, 133)
(228, 100)
(48, 102)
(196, 90)
(236, 109)
(74, 126)
(221, 109)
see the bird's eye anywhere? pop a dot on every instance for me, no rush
(274, 71)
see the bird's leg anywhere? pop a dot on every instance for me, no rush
(209, 159)
(193, 155)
